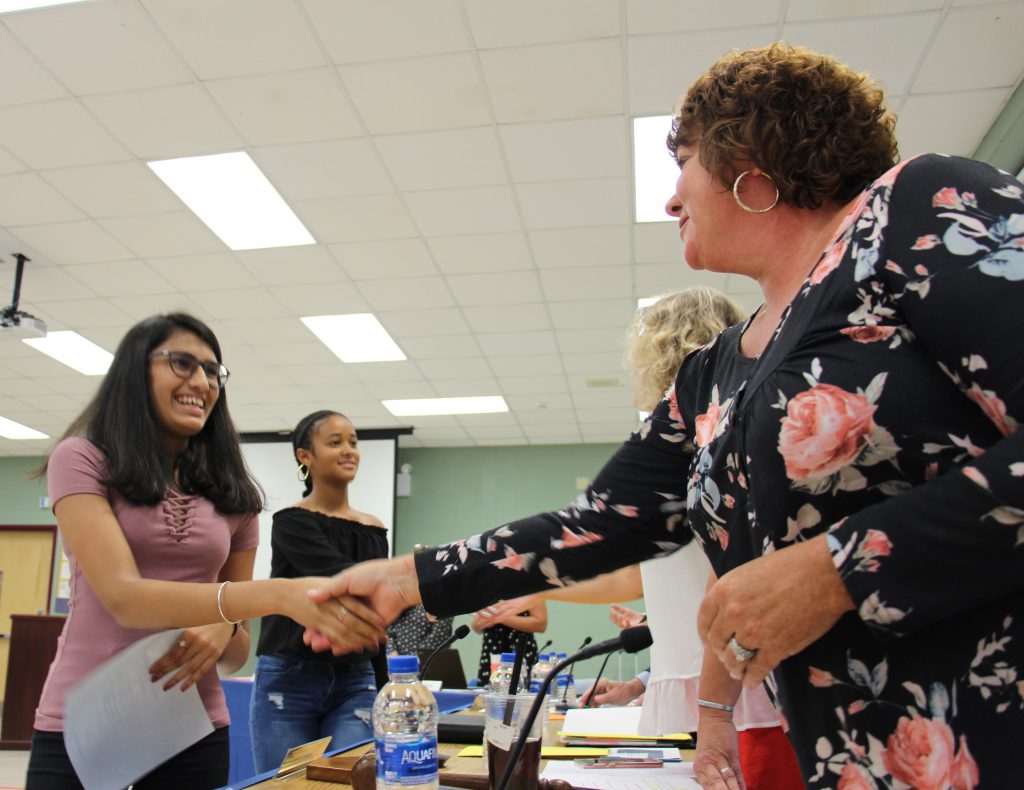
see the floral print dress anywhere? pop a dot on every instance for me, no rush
(884, 413)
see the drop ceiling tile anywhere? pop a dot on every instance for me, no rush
(660, 16)
(523, 406)
(165, 123)
(619, 380)
(424, 323)
(334, 299)
(896, 44)
(564, 150)
(540, 21)
(10, 163)
(496, 435)
(605, 282)
(536, 365)
(39, 366)
(572, 341)
(255, 418)
(133, 54)
(440, 92)
(442, 438)
(469, 421)
(559, 204)
(440, 347)
(231, 38)
(801, 10)
(458, 212)
(443, 160)
(354, 30)
(954, 61)
(464, 368)
(292, 265)
(89, 313)
(558, 248)
(923, 125)
(402, 390)
(508, 318)
(592, 364)
(573, 80)
(656, 280)
(662, 67)
(216, 272)
(72, 242)
(259, 330)
(491, 252)
(410, 294)
(335, 168)
(311, 352)
(121, 278)
(163, 235)
(288, 107)
(401, 258)
(588, 417)
(435, 422)
(238, 303)
(118, 189)
(58, 133)
(495, 288)
(45, 284)
(620, 398)
(657, 242)
(532, 385)
(360, 218)
(606, 433)
(609, 313)
(386, 371)
(139, 307)
(511, 344)
(35, 83)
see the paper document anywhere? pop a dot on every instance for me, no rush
(118, 726)
(670, 776)
(603, 721)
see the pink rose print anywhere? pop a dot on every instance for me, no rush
(825, 429)
(869, 334)
(706, 424)
(875, 544)
(964, 773)
(827, 264)
(513, 561)
(822, 679)
(854, 778)
(570, 539)
(947, 198)
(920, 753)
(926, 242)
(993, 407)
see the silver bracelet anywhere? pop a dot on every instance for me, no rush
(224, 617)
(706, 703)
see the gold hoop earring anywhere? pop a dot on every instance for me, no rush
(744, 206)
(302, 473)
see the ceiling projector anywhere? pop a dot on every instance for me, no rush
(21, 325)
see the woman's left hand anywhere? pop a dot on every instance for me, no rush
(775, 605)
(194, 654)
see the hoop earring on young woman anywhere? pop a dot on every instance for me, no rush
(302, 473)
(744, 206)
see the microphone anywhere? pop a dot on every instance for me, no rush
(565, 693)
(457, 634)
(632, 640)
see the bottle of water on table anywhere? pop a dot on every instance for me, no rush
(405, 729)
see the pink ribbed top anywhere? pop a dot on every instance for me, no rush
(181, 538)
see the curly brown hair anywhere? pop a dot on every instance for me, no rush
(818, 128)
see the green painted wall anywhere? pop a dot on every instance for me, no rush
(457, 492)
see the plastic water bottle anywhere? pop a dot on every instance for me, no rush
(405, 729)
(540, 670)
(565, 686)
(501, 678)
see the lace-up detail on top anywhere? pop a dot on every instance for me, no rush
(179, 514)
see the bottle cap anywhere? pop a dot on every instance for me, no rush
(403, 664)
(508, 658)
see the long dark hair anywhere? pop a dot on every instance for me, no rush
(121, 421)
(302, 437)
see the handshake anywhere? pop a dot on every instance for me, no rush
(349, 612)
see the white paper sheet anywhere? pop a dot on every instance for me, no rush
(602, 721)
(671, 776)
(118, 726)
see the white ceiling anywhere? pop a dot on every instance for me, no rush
(464, 165)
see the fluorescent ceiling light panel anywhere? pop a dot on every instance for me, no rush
(73, 350)
(232, 196)
(646, 301)
(358, 337)
(21, 5)
(654, 169)
(10, 429)
(422, 407)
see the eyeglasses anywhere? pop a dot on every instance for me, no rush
(184, 365)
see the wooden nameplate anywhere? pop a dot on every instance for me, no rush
(332, 769)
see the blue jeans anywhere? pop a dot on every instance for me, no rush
(295, 701)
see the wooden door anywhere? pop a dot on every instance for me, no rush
(26, 573)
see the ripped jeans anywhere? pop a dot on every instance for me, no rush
(295, 701)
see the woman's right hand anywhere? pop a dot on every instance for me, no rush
(344, 621)
(716, 763)
(624, 617)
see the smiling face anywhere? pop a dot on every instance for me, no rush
(181, 405)
(333, 456)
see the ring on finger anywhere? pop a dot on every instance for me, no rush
(741, 653)
(725, 770)
(342, 613)
(182, 644)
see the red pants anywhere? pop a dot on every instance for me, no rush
(768, 760)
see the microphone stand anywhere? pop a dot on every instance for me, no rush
(565, 692)
(460, 632)
(590, 699)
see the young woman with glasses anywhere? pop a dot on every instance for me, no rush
(158, 517)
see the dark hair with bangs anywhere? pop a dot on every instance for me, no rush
(121, 421)
(302, 437)
(818, 128)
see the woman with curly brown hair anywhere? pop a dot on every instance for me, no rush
(849, 458)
